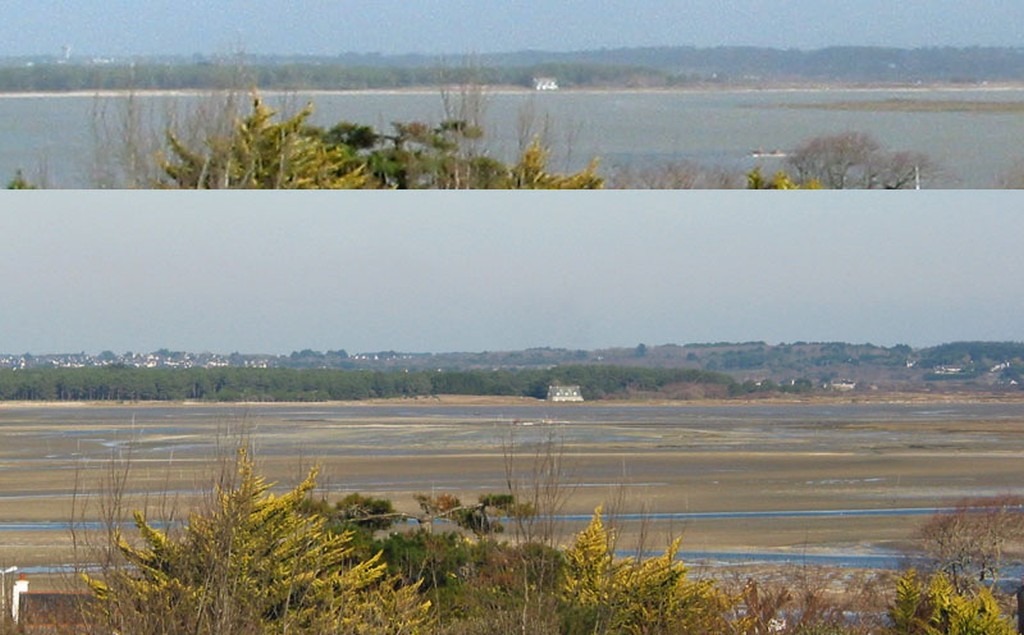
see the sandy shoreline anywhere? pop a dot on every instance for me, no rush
(965, 397)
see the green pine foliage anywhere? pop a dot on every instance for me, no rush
(253, 563)
(19, 182)
(119, 383)
(256, 562)
(531, 173)
(940, 609)
(260, 153)
(653, 596)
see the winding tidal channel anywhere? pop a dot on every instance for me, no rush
(844, 483)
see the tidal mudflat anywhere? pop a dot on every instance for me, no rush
(790, 478)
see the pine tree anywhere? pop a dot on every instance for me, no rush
(648, 597)
(254, 563)
(942, 610)
(589, 569)
(531, 173)
(259, 153)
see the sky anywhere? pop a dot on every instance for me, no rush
(276, 272)
(459, 27)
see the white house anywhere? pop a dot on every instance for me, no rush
(545, 83)
(564, 393)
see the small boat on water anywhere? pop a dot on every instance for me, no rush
(758, 154)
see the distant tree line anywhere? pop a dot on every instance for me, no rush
(783, 365)
(836, 63)
(649, 66)
(973, 352)
(968, 360)
(307, 76)
(118, 383)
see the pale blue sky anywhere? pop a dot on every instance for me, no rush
(471, 271)
(123, 27)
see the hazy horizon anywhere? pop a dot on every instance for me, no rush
(461, 27)
(276, 272)
(353, 352)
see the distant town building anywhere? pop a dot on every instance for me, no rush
(842, 385)
(564, 393)
(545, 83)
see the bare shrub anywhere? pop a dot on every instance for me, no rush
(464, 101)
(856, 160)
(675, 175)
(810, 601)
(130, 132)
(541, 485)
(541, 482)
(970, 543)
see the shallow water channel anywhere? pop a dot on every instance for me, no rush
(846, 483)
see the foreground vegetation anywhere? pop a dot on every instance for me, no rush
(251, 561)
(226, 144)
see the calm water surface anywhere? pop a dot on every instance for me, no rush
(53, 138)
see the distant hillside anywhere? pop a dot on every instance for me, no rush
(840, 64)
(627, 67)
(668, 370)
(839, 364)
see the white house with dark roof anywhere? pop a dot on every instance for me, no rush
(564, 393)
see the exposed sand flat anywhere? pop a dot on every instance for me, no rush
(56, 461)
